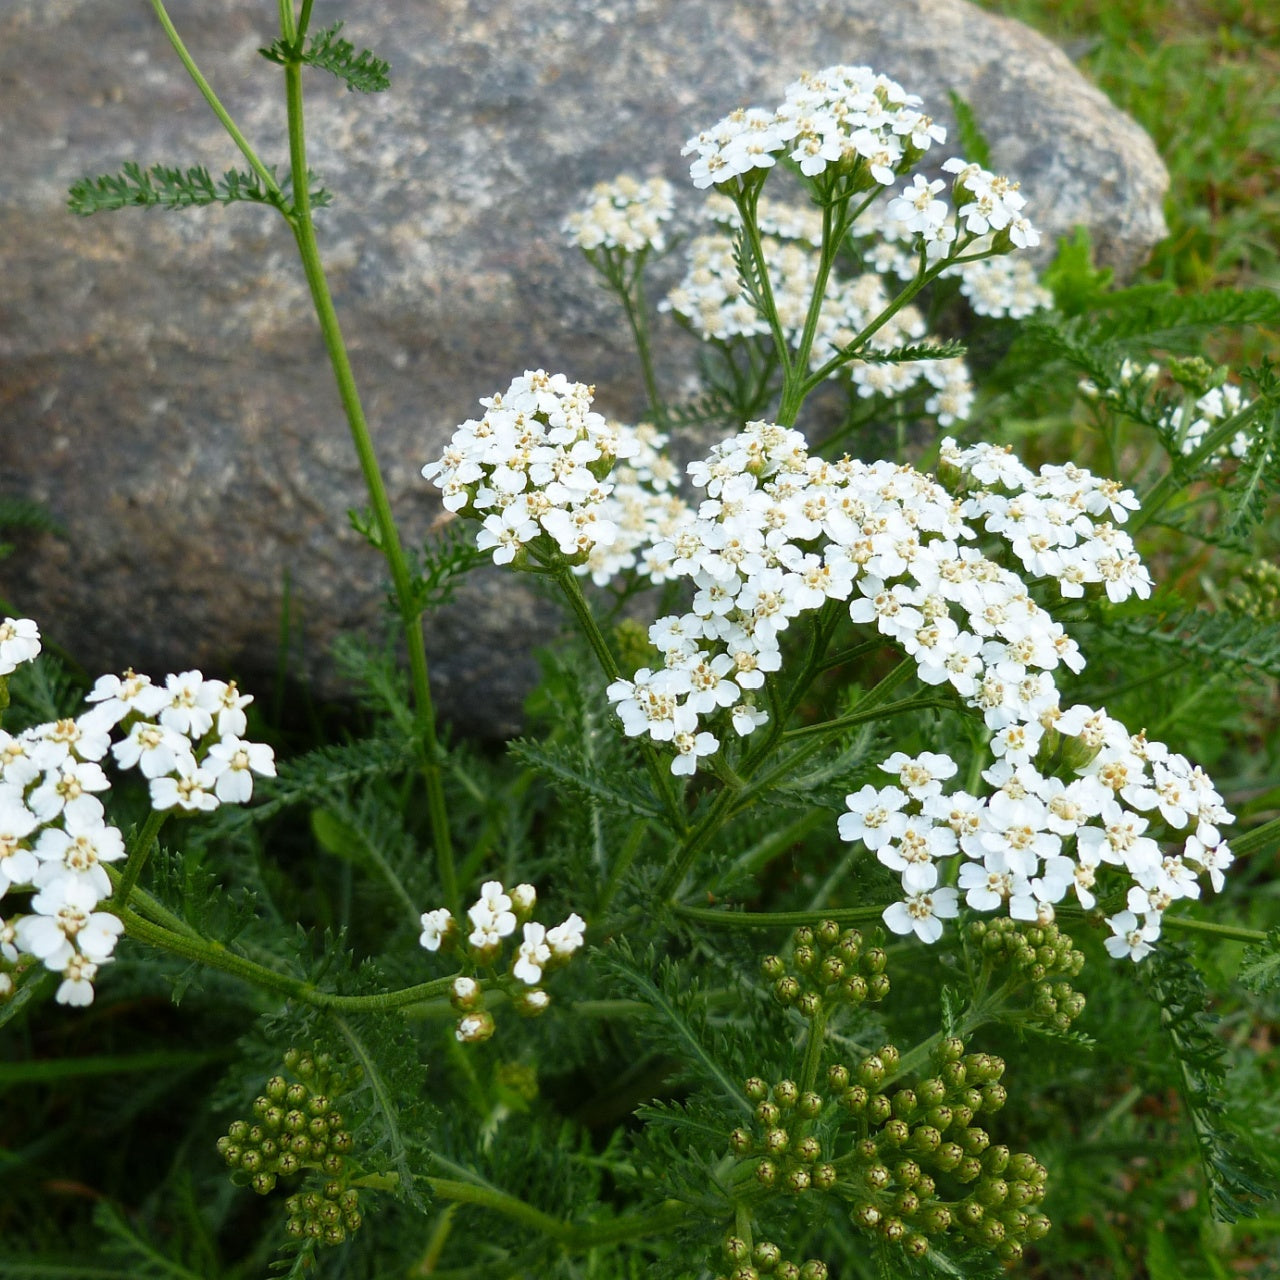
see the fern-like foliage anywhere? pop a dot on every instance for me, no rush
(442, 564)
(913, 352)
(569, 765)
(1218, 640)
(362, 72)
(167, 187)
(1260, 966)
(1234, 1177)
(704, 1053)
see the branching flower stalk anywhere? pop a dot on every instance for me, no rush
(297, 213)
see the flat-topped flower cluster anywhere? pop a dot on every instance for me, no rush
(626, 214)
(534, 472)
(781, 532)
(493, 918)
(832, 120)
(185, 738)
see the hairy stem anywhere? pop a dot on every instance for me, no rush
(138, 855)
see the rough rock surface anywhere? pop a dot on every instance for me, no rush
(163, 387)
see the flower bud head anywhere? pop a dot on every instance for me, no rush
(473, 1028)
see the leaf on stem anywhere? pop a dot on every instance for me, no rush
(362, 72)
(168, 187)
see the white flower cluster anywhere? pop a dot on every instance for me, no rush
(533, 469)
(643, 507)
(19, 643)
(711, 298)
(494, 917)
(626, 214)
(1216, 405)
(1037, 838)
(1049, 519)
(780, 533)
(842, 116)
(54, 836)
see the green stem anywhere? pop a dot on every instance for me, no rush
(637, 319)
(268, 181)
(570, 1235)
(389, 537)
(658, 772)
(1257, 839)
(137, 858)
(747, 210)
(813, 1049)
(727, 919)
(875, 713)
(1189, 925)
(216, 956)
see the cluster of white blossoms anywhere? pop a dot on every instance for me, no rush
(1050, 519)
(1129, 815)
(533, 469)
(185, 738)
(711, 299)
(626, 214)
(840, 119)
(1215, 406)
(493, 918)
(780, 533)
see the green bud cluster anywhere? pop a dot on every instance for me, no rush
(912, 1162)
(296, 1129)
(828, 966)
(1044, 957)
(766, 1259)
(1257, 594)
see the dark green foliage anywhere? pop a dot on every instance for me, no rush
(166, 187)
(910, 354)
(362, 72)
(1235, 1181)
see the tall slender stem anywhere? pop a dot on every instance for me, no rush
(410, 614)
(268, 181)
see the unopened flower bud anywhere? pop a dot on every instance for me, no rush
(808, 1149)
(994, 1096)
(809, 1004)
(970, 1212)
(804, 936)
(854, 989)
(825, 1176)
(786, 990)
(736, 1249)
(866, 1215)
(805, 958)
(854, 1099)
(768, 1113)
(878, 986)
(798, 1181)
(948, 1156)
(879, 1108)
(837, 1077)
(296, 1095)
(475, 1027)
(785, 1094)
(877, 1177)
(831, 970)
(871, 1071)
(827, 934)
(776, 1141)
(465, 994)
(936, 1219)
(895, 1133)
(524, 897)
(813, 1270)
(809, 1105)
(531, 1002)
(276, 1088)
(766, 1173)
(767, 1255)
(740, 1142)
(904, 1104)
(773, 967)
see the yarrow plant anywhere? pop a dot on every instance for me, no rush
(859, 775)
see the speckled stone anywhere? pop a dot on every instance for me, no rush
(163, 387)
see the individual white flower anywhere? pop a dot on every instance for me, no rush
(233, 762)
(19, 643)
(192, 703)
(533, 954)
(188, 787)
(922, 913)
(231, 719)
(119, 696)
(152, 748)
(69, 785)
(875, 816)
(491, 917)
(437, 927)
(79, 847)
(475, 1027)
(1131, 939)
(921, 776)
(76, 987)
(65, 921)
(567, 937)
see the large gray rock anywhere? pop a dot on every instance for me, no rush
(163, 388)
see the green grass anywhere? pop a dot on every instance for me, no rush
(1204, 81)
